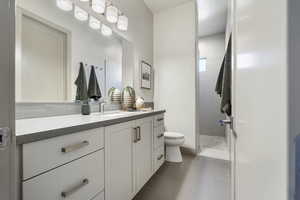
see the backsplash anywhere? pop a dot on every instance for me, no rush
(35, 110)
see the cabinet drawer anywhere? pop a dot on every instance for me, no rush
(159, 157)
(44, 155)
(158, 136)
(81, 179)
(159, 120)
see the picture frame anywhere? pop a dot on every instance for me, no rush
(146, 75)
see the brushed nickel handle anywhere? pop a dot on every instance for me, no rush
(160, 136)
(139, 134)
(135, 139)
(160, 119)
(160, 157)
(225, 122)
(71, 191)
(74, 147)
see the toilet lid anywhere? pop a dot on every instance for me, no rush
(173, 135)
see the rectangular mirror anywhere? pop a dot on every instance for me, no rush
(50, 44)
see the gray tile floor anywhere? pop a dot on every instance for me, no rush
(198, 178)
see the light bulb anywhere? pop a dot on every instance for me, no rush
(80, 14)
(112, 14)
(105, 30)
(94, 23)
(123, 23)
(65, 5)
(98, 6)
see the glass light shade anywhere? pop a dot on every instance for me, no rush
(123, 23)
(99, 6)
(94, 23)
(84, 0)
(65, 5)
(105, 30)
(112, 14)
(80, 14)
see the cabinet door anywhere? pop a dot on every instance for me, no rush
(143, 152)
(118, 162)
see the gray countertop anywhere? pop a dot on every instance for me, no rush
(35, 129)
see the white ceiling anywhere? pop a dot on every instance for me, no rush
(212, 16)
(158, 5)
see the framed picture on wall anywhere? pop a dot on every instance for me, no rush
(146, 73)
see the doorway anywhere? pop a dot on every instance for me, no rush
(211, 46)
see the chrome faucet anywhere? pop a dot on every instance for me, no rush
(102, 106)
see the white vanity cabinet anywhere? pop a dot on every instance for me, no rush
(128, 158)
(45, 155)
(143, 152)
(158, 142)
(108, 163)
(119, 181)
(130, 153)
(81, 179)
(65, 167)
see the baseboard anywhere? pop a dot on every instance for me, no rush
(186, 150)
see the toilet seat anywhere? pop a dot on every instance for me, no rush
(173, 135)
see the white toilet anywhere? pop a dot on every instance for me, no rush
(173, 142)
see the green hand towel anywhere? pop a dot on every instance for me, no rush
(219, 84)
(226, 89)
(94, 91)
(81, 93)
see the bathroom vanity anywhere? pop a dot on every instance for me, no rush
(102, 156)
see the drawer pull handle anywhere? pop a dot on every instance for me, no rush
(69, 192)
(161, 135)
(160, 157)
(160, 119)
(74, 147)
(135, 140)
(139, 134)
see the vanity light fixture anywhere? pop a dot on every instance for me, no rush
(65, 5)
(98, 6)
(122, 23)
(80, 14)
(112, 14)
(84, 0)
(94, 23)
(106, 30)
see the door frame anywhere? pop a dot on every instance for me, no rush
(7, 101)
(22, 12)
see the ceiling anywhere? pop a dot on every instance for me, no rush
(158, 5)
(212, 16)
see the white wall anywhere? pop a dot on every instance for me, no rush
(175, 70)
(213, 49)
(228, 21)
(140, 34)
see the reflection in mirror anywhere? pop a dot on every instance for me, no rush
(50, 44)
